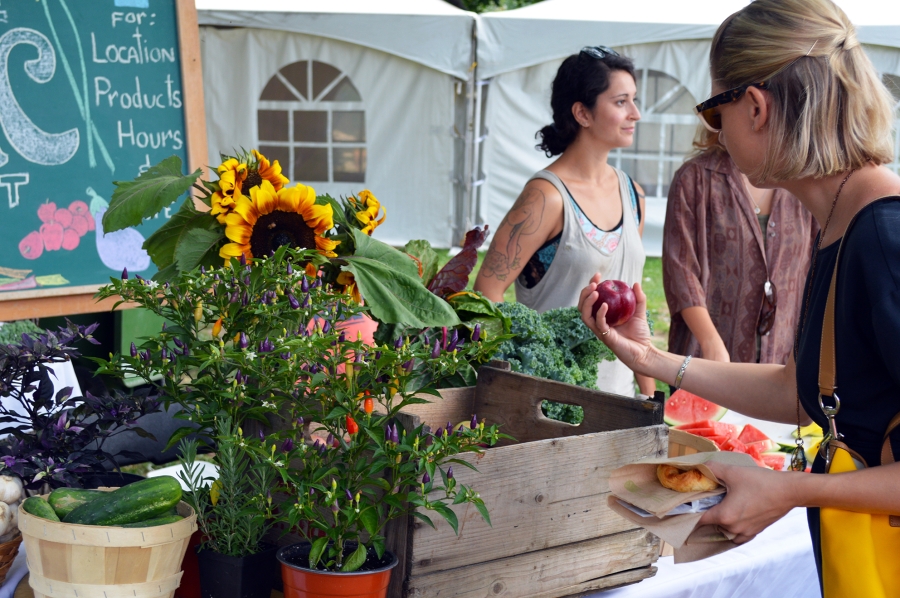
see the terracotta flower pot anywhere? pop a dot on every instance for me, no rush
(300, 582)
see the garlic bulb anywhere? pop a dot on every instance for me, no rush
(10, 489)
(13, 516)
(5, 518)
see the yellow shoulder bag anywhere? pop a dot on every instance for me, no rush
(860, 551)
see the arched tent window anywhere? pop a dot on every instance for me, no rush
(893, 84)
(664, 134)
(311, 119)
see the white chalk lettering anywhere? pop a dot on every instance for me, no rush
(137, 53)
(12, 182)
(151, 139)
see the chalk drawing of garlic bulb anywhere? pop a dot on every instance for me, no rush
(119, 249)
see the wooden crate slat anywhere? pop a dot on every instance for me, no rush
(539, 494)
(565, 570)
(514, 401)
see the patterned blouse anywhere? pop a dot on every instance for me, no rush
(605, 241)
(714, 256)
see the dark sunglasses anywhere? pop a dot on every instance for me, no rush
(710, 117)
(767, 315)
(598, 52)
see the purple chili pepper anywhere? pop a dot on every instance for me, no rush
(134, 350)
(426, 479)
(330, 440)
(145, 355)
(202, 270)
(436, 351)
(305, 301)
(299, 421)
(408, 365)
(186, 352)
(285, 356)
(287, 446)
(334, 507)
(476, 334)
(395, 435)
(377, 355)
(449, 428)
(244, 342)
(261, 435)
(342, 337)
(317, 444)
(290, 269)
(444, 337)
(124, 273)
(326, 327)
(178, 342)
(398, 343)
(247, 280)
(474, 423)
(304, 285)
(245, 299)
(387, 433)
(322, 449)
(216, 277)
(450, 473)
(293, 301)
(429, 440)
(358, 357)
(243, 259)
(349, 495)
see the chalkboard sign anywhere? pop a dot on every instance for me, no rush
(91, 91)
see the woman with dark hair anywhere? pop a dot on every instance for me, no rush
(580, 215)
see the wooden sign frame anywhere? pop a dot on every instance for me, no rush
(18, 305)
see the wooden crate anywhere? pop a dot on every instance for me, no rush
(552, 533)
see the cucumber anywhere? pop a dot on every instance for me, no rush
(65, 500)
(141, 500)
(37, 506)
(164, 520)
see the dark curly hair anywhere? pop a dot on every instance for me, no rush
(580, 78)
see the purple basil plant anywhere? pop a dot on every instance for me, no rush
(55, 438)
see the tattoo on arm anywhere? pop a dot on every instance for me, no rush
(523, 219)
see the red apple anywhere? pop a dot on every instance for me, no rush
(79, 207)
(80, 223)
(70, 239)
(64, 217)
(32, 246)
(620, 299)
(52, 234)
(46, 212)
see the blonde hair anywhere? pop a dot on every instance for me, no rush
(830, 111)
(705, 141)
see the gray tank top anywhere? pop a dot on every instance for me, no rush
(577, 260)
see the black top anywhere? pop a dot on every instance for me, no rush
(867, 338)
(867, 329)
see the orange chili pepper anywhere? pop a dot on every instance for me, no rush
(352, 426)
(217, 328)
(368, 404)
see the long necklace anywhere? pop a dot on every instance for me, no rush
(798, 456)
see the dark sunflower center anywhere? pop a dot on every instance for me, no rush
(281, 228)
(253, 179)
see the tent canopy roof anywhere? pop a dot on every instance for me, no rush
(430, 32)
(506, 39)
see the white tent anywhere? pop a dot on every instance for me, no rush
(348, 94)
(519, 52)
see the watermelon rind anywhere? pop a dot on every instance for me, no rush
(769, 457)
(684, 408)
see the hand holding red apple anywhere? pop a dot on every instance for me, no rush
(630, 339)
(620, 299)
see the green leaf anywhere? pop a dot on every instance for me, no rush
(378, 545)
(315, 553)
(397, 298)
(427, 256)
(464, 463)
(424, 518)
(479, 504)
(177, 435)
(198, 247)
(448, 514)
(356, 559)
(145, 196)
(373, 249)
(369, 519)
(162, 243)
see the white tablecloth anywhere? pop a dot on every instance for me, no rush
(15, 574)
(779, 562)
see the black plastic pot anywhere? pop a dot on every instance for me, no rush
(250, 576)
(112, 479)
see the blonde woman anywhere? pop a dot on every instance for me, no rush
(798, 105)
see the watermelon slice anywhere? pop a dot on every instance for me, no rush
(683, 407)
(751, 434)
(719, 440)
(710, 425)
(777, 461)
(764, 446)
(735, 446)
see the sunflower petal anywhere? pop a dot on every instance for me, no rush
(265, 197)
(246, 210)
(288, 199)
(230, 250)
(239, 233)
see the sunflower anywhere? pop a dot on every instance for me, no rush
(270, 219)
(368, 208)
(264, 171)
(232, 175)
(350, 287)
